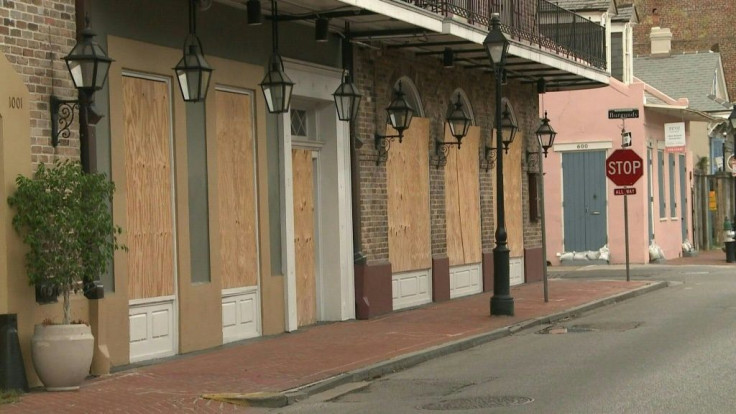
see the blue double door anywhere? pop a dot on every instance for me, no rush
(584, 200)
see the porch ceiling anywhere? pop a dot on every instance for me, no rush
(425, 33)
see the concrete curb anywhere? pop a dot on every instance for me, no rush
(409, 360)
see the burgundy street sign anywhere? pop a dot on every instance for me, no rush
(624, 167)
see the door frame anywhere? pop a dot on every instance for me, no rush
(246, 292)
(160, 302)
(581, 146)
(336, 295)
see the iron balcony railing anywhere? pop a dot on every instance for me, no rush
(539, 22)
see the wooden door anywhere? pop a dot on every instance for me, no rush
(304, 236)
(150, 221)
(236, 194)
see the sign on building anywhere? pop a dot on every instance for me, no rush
(674, 137)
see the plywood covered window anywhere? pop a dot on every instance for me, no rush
(149, 192)
(407, 169)
(236, 189)
(462, 194)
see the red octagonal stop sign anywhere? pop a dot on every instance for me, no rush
(624, 167)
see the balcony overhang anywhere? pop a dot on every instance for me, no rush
(682, 112)
(395, 24)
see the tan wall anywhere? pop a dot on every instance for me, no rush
(199, 311)
(16, 296)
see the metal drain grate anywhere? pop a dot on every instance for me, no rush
(477, 403)
(582, 328)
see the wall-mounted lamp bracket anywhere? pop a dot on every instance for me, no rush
(442, 149)
(489, 158)
(532, 161)
(382, 144)
(62, 116)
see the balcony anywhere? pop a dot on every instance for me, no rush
(547, 41)
(538, 22)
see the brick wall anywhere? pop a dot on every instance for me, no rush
(34, 36)
(375, 73)
(696, 25)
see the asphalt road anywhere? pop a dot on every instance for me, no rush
(670, 351)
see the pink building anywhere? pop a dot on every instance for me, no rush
(583, 215)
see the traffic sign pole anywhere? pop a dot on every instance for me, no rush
(625, 167)
(626, 234)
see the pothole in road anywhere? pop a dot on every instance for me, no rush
(593, 327)
(477, 403)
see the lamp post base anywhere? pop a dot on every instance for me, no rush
(502, 305)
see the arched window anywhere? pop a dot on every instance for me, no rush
(411, 94)
(465, 101)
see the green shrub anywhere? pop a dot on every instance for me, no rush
(63, 215)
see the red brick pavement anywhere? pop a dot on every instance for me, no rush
(289, 360)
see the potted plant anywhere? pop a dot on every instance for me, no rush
(63, 215)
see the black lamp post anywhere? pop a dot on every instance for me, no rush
(193, 72)
(732, 123)
(502, 303)
(546, 137)
(276, 86)
(88, 66)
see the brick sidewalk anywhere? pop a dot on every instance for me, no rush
(311, 354)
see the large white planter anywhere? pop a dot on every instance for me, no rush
(62, 355)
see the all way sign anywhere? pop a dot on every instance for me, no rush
(624, 191)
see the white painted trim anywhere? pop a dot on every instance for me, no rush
(238, 291)
(306, 144)
(287, 221)
(516, 271)
(401, 11)
(240, 328)
(475, 280)
(422, 280)
(336, 296)
(582, 146)
(151, 301)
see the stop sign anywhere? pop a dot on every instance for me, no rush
(624, 167)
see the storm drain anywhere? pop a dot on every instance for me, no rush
(477, 403)
(582, 328)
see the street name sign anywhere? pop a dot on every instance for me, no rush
(624, 167)
(623, 113)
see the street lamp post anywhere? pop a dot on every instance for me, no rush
(502, 303)
(732, 123)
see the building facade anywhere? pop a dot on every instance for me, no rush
(241, 223)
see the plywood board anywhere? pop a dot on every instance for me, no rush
(236, 190)
(304, 243)
(513, 207)
(407, 169)
(462, 200)
(147, 137)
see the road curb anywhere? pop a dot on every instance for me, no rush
(412, 359)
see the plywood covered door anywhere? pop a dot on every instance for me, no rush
(407, 170)
(462, 212)
(304, 236)
(238, 222)
(150, 218)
